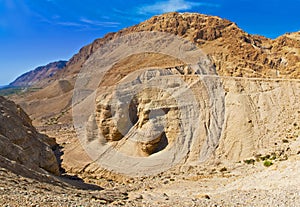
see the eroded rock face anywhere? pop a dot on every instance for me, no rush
(220, 118)
(154, 119)
(145, 125)
(260, 114)
(21, 143)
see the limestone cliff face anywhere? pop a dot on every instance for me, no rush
(260, 114)
(21, 145)
(153, 114)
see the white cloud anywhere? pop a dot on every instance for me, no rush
(171, 6)
(99, 23)
(86, 24)
(70, 24)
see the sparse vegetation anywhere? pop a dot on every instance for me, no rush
(285, 141)
(54, 120)
(223, 169)
(266, 157)
(269, 158)
(268, 163)
(8, 91)
(250, 161)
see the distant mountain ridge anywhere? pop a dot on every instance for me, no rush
(36, 76)
(2, 87)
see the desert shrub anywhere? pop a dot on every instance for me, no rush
(273, 156)
(224, 169)
(268, 163)
(266, 157)
(250, 161)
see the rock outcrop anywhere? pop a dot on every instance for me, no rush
(148, 119)
(22, 147)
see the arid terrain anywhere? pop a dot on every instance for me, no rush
(183, 109)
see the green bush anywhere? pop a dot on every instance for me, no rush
(268, 163)
(250, 161)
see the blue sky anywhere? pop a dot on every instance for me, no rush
(35, 32)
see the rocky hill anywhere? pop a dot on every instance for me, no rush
(256, 72)
(29, 169)
(39, 76)
(163, 127)
(233, 52)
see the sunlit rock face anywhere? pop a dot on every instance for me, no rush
(21, 145)
(152, 112)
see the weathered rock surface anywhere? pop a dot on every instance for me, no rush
(153, 118)
(259, 115)
(21, 145)
(254, 117)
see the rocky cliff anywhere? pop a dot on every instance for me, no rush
(166, 116)
(23, 149)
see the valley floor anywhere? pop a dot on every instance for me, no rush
(276, 186)
(240, 184)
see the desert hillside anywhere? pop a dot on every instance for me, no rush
(21, 145)
(30, 171)
(183, 109)
(232, 51)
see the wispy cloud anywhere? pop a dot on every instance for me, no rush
(70, 24)
(80, 24)
(99, 23)
(171, 6)
(84, 24)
